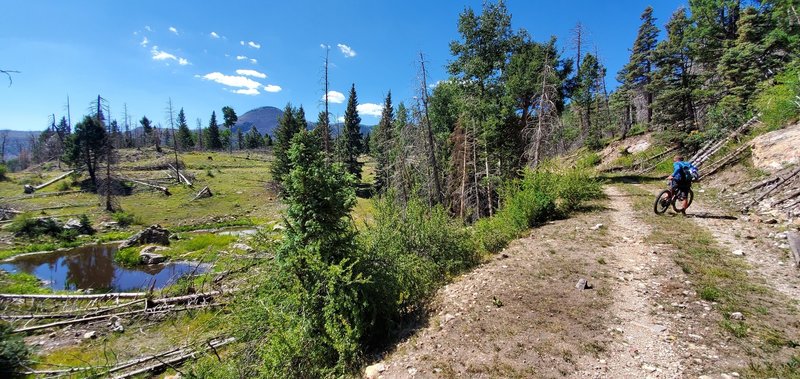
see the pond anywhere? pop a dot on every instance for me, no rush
(93, 266)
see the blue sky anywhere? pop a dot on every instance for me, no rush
(206, 55)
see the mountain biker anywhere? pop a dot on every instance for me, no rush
(681, 178)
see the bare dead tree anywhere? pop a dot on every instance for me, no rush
(3, 139)
(326, 132)
(546, 114)
(578, 36)
(171, 120)
(431, 145)
(8, 73)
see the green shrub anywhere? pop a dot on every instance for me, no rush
(588, 160)
(3, 172)
(127, 257)
(29, 226)
(778, 104)
(125, 219)
(64, 186)
(13, 351)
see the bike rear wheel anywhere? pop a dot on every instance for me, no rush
(662, 202)
(677, 204)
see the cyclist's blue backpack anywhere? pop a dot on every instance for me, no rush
(688, 172)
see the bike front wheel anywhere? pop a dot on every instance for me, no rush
(662, 202)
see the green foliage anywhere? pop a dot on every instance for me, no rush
(539, 196)
(212, 134)
(20, 282)
(382, 144)
(183, 137)
(125, 219)
(350, 141)
(3, 171)
(253, 139)
(128, 257)
(288, 126)
(29, 226)
(86, 146)
(13, 351)
(780, 103)
(588, 160)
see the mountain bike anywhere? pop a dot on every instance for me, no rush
(675, 198)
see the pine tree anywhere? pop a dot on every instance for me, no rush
(637, 74)
(323, 130)
(287, 128)
(253, 139)
(673, 104)
(147, 129)
(230, 118)
(240, 138)
(351, 138)
(87, 146)
(213, 141)
(382, 145)
(184, 135)
(587, 90)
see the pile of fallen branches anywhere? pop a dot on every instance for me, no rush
(713, 146)
(28, 313)
(644, 164)
(780, 192)
(152, 363)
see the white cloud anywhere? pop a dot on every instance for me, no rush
(324, 46)
(346, 50)
(335, 97)
(253, 60)
(232, 81)
(252, 73)
(254, 45)
(160, 55)
(370, 109)
(248, 91)
(340, 119)
(241, 43)
(147, 27)
(172, 29)
(241, 57)
(214, 35)
(144, 42)
(272, 88)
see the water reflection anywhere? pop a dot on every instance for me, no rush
(93, 267)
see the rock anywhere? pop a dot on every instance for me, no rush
(739, 253)
(373, 371)
(649, 368)
(90, 335)
(582, 284)
(176, 376)
(448, 317)
(109, 224)
(737, 316)
(278, 227)
(243, 247)
(596, 227)
(149, 255)
(73, 223)
(204, 193)
(412, 371)
(153, 234)
(771, 221)
(28, 189)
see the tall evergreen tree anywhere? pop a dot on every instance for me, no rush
(213, 141)
(184, 135)
(323, 130)
(351, 138)
(636, 76)
(147, 130)
(673, 104)
(382, 145)
(287, 128)
(253, 139)
(587, 89)
(230, 119)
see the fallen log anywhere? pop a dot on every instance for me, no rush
(181, 177)
(165, 190)
(45, 184)
(760, 184)
(204, 193)
(700, 160)
(186, 298)
(175, 360)
(102, 296)
(794, 244)
(788, 197)
(774, 187)
(84, 313)
(724, 161)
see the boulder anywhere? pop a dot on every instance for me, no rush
(149, 255)
(374, 371)
(28, 189)
(243, 247)
(73, 223)
(154, 234)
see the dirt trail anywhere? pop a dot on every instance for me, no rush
(643, 349)
(521, 316)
